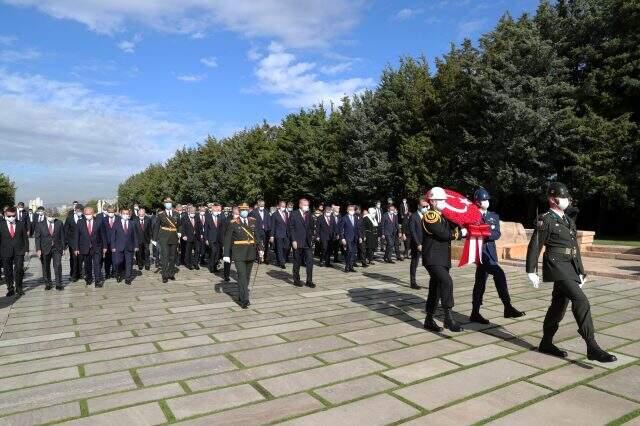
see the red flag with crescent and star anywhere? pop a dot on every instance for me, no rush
(464, 213)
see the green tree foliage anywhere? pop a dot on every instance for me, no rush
(7, 191)
(549, 96)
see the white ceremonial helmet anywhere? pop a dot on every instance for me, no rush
(436, 193)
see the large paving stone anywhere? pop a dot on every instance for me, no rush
(54, 413)
(383, 333)
(191, 405)
(359, 351)
(446, 389)
(263, 331)
(262, 412)
(483, 406)
(284, 351)
(109, 402)
(480, 354)
(420, 370)
(295, 382)
(143, 415)
(377, 410)
(625, 382)
(184, 370)
(567, 375)
(39, 378)
(419, 352)
(577, 406)
(354, 389)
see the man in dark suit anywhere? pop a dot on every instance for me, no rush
(214, 236)
(415, 230)
(201, 245)
(326, 235)
(142, 224)
(108, 221)
(350, 237)
(22, 215)
(90, 242)
(70, 229)
(263, 219)
(34, 219)
(14, 244)
(390, 234)
(280, 233)
(50, 245)
(337, 247)
(190, 230)
(165, 234)
(124, 244)
(436, 258)
(301, 232)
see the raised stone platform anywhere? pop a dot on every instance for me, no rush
(350, 352)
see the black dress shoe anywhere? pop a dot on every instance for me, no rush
(146, 268)
(172, 277)
(73, 280)
(297, 283)
(165, 280)
(227, 279)
(88, 282)
(310, 285)
(401, 259)
(99, 285)
(596, 353)
(60, 287)
(197, 268)
(244, 305)
(430, 324)
(118, 279)
(551, 349)
(127, 282)
(283, 266)
(415, 286)
(511, 312)
(48, 287)
(347, 270)
(372, 263)
(476, 317)
(450, 323)
(10, 293)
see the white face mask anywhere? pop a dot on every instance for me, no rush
(88, 216)
(423, 210)
(289, 209)
(440, 205)
(40, 213)
(51, 219)
(20, 209)
(327, 214)
(125, 216)
(11, 219)
(305, 208)
(111, 214)
(192, 215)
(378, 205)
(79, 214)
(563, 203)
(350, 212)
(484, 205)
(216, 213)
(168, 206)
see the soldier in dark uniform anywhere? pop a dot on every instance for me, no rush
(562, 265)
(436, 258)
(246, 238)
(415, 230)
(489, 265)
(165, 233)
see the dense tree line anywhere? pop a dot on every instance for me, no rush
(7, 191)
(549, 96)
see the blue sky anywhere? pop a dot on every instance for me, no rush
(94, 90)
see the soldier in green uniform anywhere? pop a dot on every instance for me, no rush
(166, 234)
(241, 239)
(562, 265)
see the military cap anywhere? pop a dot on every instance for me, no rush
(244, 206)
(558, 189)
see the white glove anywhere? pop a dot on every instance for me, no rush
(155, 243)
(583, 280)
(261, 254)
(463, 232)
(179, 235)
(534, 279)
(226, 259)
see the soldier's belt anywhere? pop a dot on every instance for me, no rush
(166, 228)
(561, 250)
(243, 242)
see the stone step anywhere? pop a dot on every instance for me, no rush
(614, 249)
(610, 255)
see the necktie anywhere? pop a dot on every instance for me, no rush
(215, 221)
(12, 231)
(126, 226)
(142, 224)
(110, 222)
(351, 219)
(90, 226)
(50, 228)
(193, 223)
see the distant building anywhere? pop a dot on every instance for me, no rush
(34, 204)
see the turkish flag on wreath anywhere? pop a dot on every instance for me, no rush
(464, 213)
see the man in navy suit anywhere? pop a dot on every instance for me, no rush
(415, 230)
(90, 242)
(489, 265)
(327, 228)
(14, 244)
(280, 233)
(70, 230)
(124, 244)
(390, 234)
(350, 237)
(190, 230)
(50, 244)
(263, 220)
(143, 228)
(108, 220)
(214, 230)
(302, 232)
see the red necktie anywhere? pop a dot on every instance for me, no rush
(193, 223)
(126, 226)
(110, 222)
(215, 221)
(12, 231)
(90, 227)
(50, 228)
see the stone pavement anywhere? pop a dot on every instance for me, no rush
(349, 352)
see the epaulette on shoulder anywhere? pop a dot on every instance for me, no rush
(431, 216)
(542, 220)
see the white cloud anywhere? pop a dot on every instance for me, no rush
(210, 61)
(191, 78)
(336, 68)
(129, 46)
(19, 55)
(407, 13)
(296, 84)
(7, 40)
(81, 142)
(296, 23)
(468, 29)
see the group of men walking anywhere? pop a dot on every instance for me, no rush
(107, 245)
